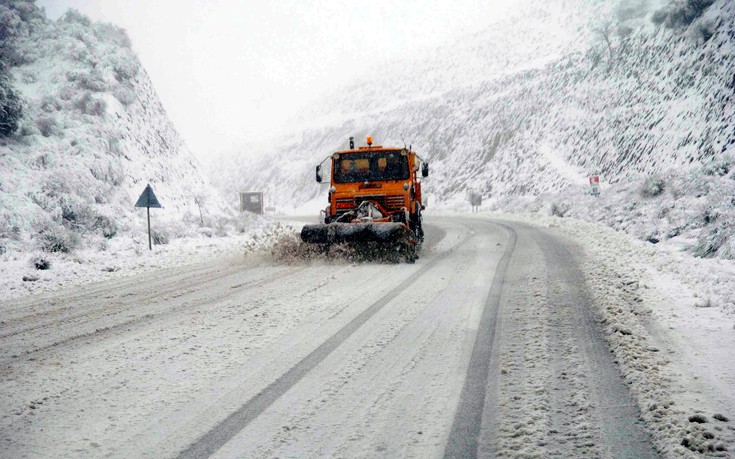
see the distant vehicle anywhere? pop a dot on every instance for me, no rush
(374, 199)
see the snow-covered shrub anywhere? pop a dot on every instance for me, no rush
(28, 77)
(681, 13)
(48, 126)
(28, 128)
(11, 108)
(50, 103)
(76, 213)
(659, 16)
(8, 230)
(43, 160)
(10, 25)
(708, 244)
(124, 66)
(26, 56)
(125, 95)
(652, 186)
(159, 237)
(55, 238)
(114, 146)
(110, 172)
(703, 32)
(90, 105)
(92, 80)
(73, 16)
(67, 92)
(40, 262)
(118, 35)
(220, 227)
(559, 210)
(106, 226)
(718, 167)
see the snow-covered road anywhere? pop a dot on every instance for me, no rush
(488, 345)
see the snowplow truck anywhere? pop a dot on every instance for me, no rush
(374, 201)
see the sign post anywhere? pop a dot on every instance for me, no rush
(148, 199)
(595, 185)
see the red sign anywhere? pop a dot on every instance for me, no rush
(595, 184)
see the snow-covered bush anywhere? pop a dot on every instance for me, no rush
(48, 126)
(90, 105)
(28, 128)
(110, 172)
(117, 35)
(159, 237)
(11, 108)
(559, 210)
(106, 226)
(67, 92)
(718, 167)
(92, 80)
(681, 13)
(28, 77)
(708, 245)
(125, 95)
(8, 230)
(76, 213)
(40, 262)
(10, 28)
(124, 66)
(73, 16)
(55, 238)
(652, 186)
(50, 103)
(704, 31)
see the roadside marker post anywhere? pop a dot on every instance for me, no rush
(148, 199)
(595, 185)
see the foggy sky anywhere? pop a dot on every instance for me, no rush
(231, 72)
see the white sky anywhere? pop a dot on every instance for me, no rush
(233, 72)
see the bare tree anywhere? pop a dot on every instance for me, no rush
(200, 200)
(605, 30)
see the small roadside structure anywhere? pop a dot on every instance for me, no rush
(595, 185)
(251, 201)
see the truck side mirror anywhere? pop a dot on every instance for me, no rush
(318, 174)
(425, 169)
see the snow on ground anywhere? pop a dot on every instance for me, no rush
(126, 256)
(669, 318)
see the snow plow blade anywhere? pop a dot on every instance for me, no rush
(337, 233)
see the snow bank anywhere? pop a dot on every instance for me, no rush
(672, 341)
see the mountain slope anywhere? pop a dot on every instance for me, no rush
(93, 134)
(538, 119)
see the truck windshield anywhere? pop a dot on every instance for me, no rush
(371, 166)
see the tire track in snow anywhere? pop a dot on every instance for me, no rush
(148, 318)
(621, 433)
(110, 303)
(465, 432)
(216, 437)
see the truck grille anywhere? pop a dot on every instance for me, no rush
(390, 203)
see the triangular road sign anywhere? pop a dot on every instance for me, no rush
(148, 198)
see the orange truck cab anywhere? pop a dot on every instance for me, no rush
(374, 186)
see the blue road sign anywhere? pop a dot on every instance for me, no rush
(148, 198)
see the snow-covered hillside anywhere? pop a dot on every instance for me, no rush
(92, 135)
(537, 103)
